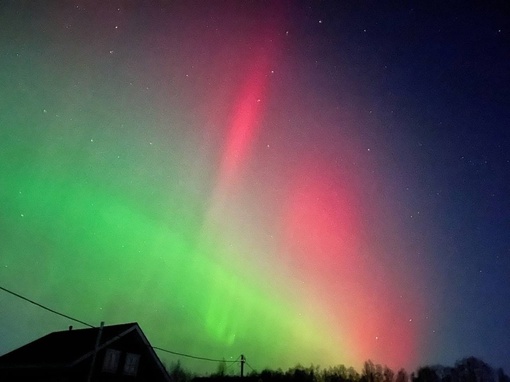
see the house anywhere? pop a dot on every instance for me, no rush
(108, 353)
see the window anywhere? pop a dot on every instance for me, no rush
(131, 364)
(111, 360)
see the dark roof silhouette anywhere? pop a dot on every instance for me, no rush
(63, 348)
(70, 347)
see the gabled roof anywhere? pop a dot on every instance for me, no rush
(70, 347)
(62, 348)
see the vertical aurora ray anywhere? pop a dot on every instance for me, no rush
(323, 236)
(244, 122)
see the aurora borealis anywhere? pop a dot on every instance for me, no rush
(300, 182)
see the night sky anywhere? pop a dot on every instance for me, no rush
(304, 182)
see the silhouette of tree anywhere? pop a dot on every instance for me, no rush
(372, 372)
(388, 374)
(339, 373)
(335, 374)
(444, 373)
(427, 374)
(402, 376)
(221, 371)
(272, 375)
(472, 369)
(178, 374)
(502, 377)
(302, 374)
(465, 370)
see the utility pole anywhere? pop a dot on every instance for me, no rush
(98, 340)
(243, 360)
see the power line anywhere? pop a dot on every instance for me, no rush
(92, 326)
(45, 307)
(247, 364)
(192, 356)
(232, 364)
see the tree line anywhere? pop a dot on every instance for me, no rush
(470, 369)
